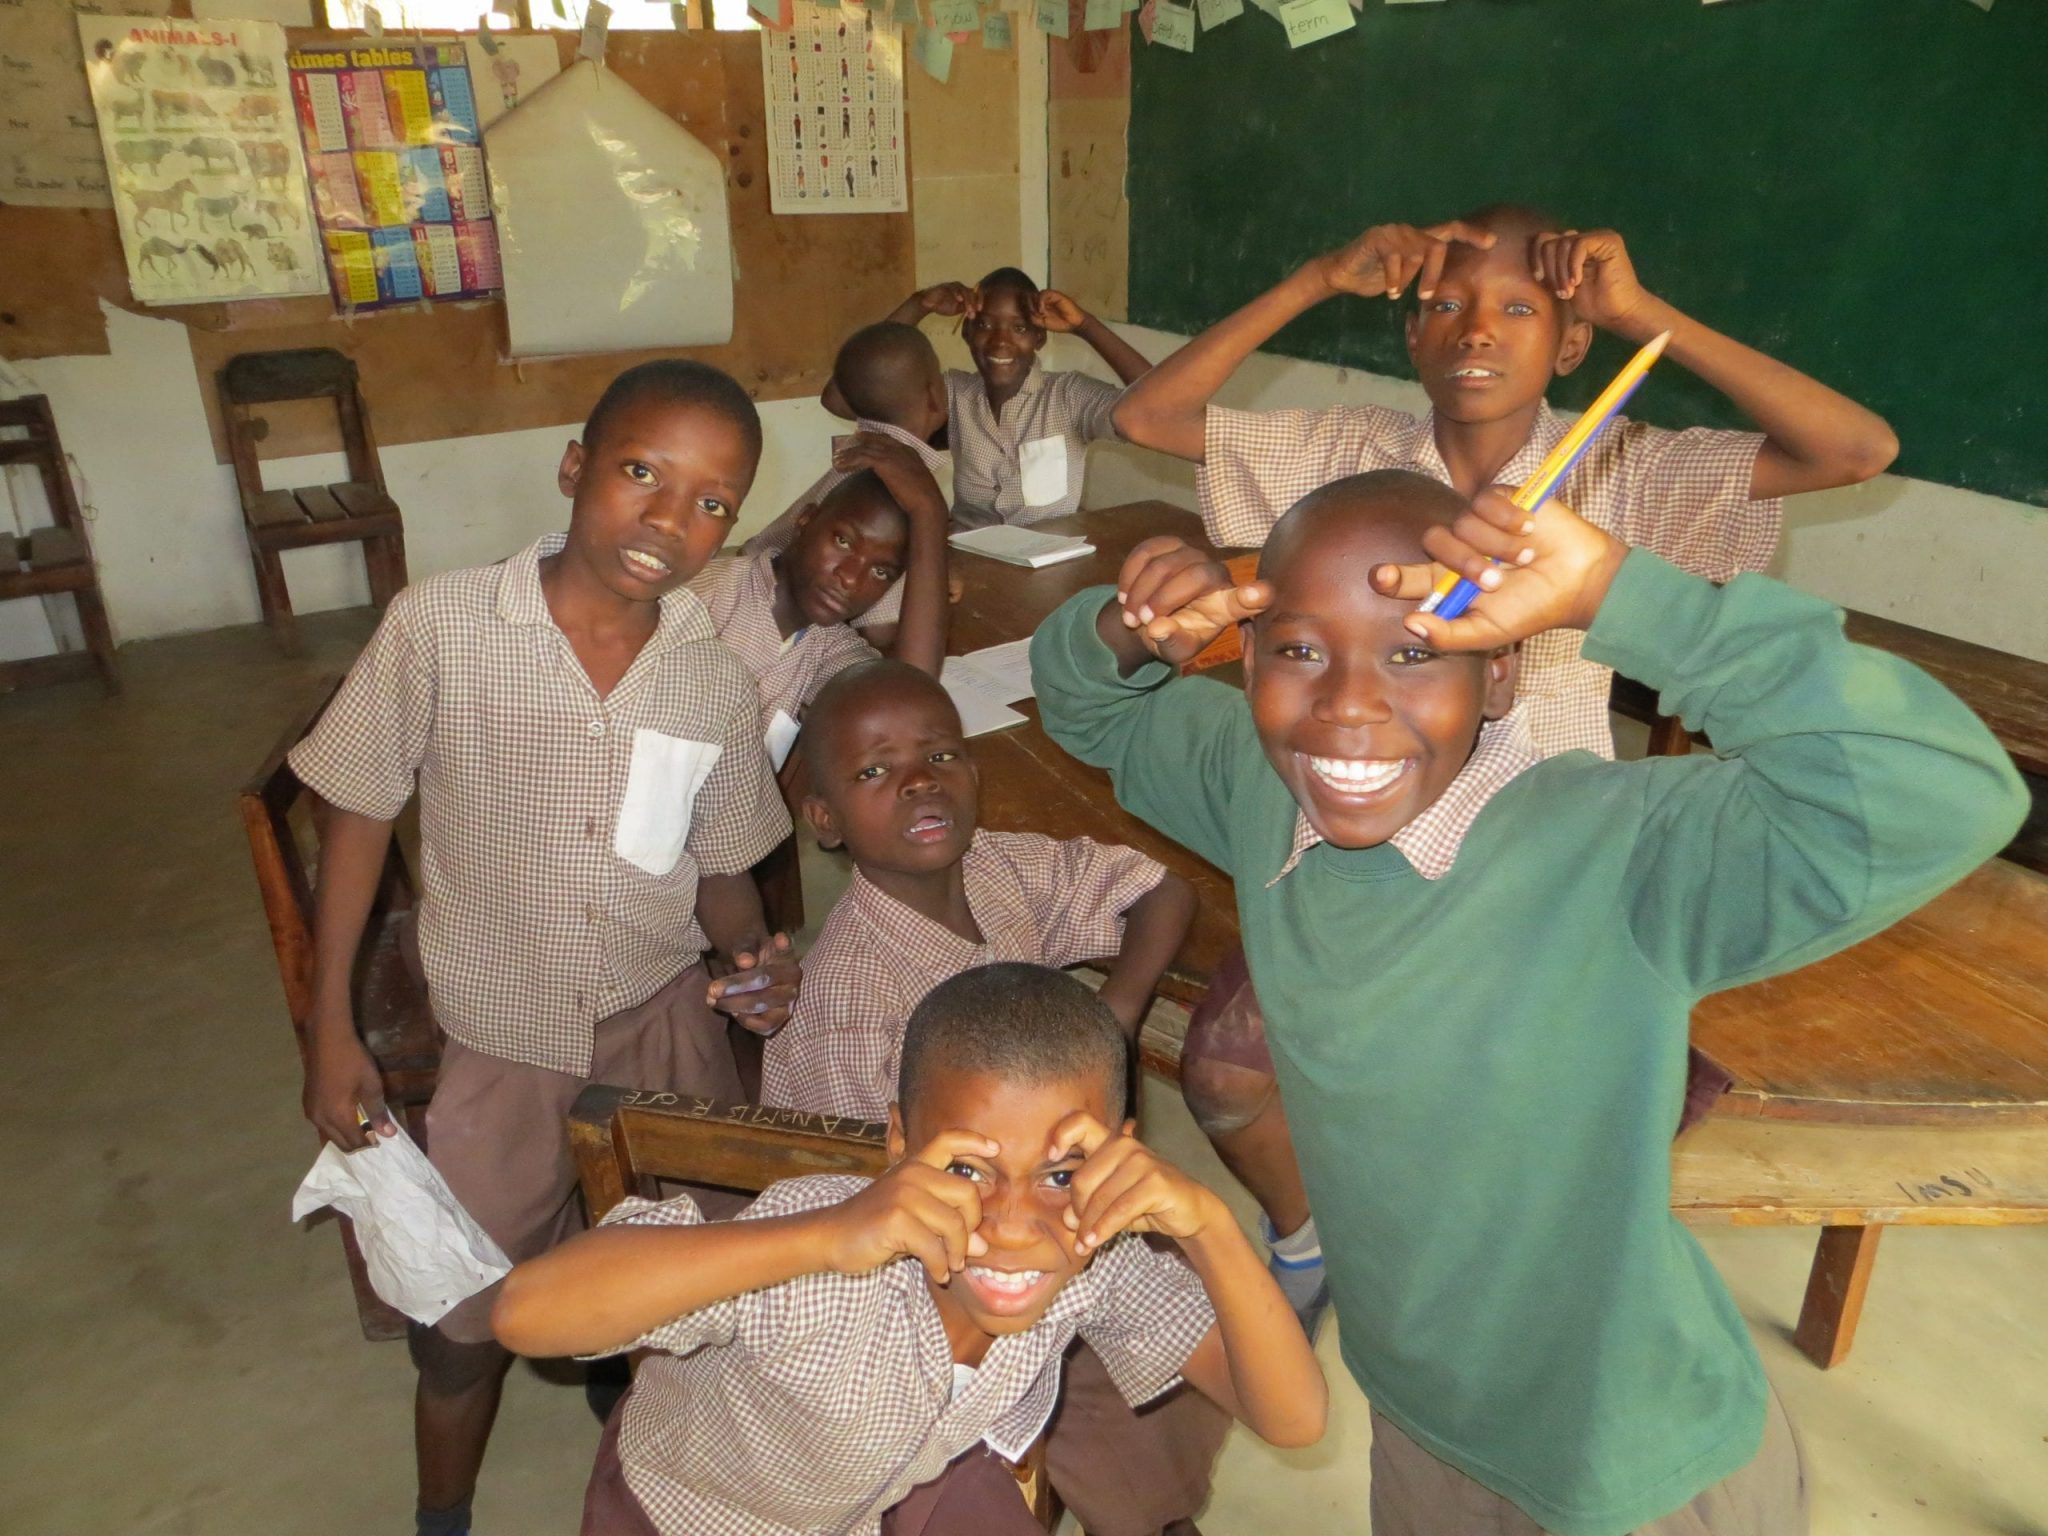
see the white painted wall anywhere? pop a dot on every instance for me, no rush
(167, 528)
(1943, 559)
(168, 534)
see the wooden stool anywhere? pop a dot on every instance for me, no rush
(357, 509)
(53, 559)
(283, 821)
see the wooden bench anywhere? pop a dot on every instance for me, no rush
(627, 1141)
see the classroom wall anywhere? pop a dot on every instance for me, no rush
(166, 526)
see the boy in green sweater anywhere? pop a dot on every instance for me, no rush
(1477, 966)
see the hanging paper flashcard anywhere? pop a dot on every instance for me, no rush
(209, 185)
(1217, 12)
(1310, 21)
(398, 172)
(833, 84)
(1173, 26)
(995, 32)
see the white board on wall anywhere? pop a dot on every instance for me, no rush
(612, 222)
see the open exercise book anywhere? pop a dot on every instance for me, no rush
(984, 684)
(1021, 546)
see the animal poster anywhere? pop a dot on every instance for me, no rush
(834, 88)
(398, 170)
(209, 187)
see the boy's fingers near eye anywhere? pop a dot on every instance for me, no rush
(1135, 562)
(1079, 1132)
(949, 1146)
(1432, 269)
(1406, 583)
(1466, 234)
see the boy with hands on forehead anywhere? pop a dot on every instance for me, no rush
(859, 1356)
(1477, 963)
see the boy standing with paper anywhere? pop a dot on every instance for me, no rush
(592, 794)
(1505, 303)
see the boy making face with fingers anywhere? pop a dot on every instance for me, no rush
(847, 1355)
(1478, 964)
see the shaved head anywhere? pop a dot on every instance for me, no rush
(1384, 512)
(884, 371)
(856, 691)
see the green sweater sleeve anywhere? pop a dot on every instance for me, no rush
(1846, 788)
(1173, 745)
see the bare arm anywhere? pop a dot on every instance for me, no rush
(1129, 363)
(1814, 436)
(339, 1071)
(605, 1287)
(1166, 409)
(919, 634)
(1154, 927)
(1256, 1362)
(939, 299)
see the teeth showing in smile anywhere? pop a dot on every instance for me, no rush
(1358, 775)
(1007, 1282)
(647, 562)
(931, 824)
(1476, 373)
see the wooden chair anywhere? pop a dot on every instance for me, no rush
(283, 820)
(625, 1140)
(357, 509)
(53, 559)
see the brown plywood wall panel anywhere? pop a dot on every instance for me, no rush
(801, 283)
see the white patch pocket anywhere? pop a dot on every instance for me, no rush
(780, 738)
(1044, 466)
(661, 792)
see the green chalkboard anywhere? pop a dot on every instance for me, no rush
(1859, 187)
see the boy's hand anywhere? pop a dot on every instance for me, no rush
(1056, 312)
(898, 467)
(916, 1210)
(762, 987)
(1591, 270)
(1387, 257)
(1554, 571)
(1124, 1187)
(1179, 598)
(343, 1088)
(945, 299)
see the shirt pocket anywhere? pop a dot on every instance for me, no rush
(661, 792)
(780, 737)
(1043, 466)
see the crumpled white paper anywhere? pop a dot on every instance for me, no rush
(424, 1252)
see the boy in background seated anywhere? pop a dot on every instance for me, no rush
(1019, 435)
(932, 896)
(1478, 964)
(592, 793)
(1506, 302)
(887, 378)
(789, 615)
(860, 1356)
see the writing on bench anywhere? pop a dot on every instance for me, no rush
(1948, 1187)
(755, 1114)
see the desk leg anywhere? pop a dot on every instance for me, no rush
(1834, 1293)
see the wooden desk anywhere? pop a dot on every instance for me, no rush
(1918, 1060)
(1029, 784)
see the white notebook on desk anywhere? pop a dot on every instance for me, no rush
(1021, 546)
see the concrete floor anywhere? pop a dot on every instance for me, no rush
(182, 1360)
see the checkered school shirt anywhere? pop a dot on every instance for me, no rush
(988, 478)
(531, 927)
(781, 533)
(1431, 841)
(1682, 495)
(739, 594)
(1035, 899)
(813, 1406)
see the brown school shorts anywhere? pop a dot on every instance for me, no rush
(495, 1128)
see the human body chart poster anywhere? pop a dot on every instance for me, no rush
(834, 88)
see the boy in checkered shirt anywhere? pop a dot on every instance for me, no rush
(865, 1356)
(1504, 304)
(789, 614)
(592, 793)
(932, 895)
(887, 378)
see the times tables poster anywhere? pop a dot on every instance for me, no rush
(397, 166)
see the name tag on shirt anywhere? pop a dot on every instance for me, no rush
(1044, 468)
(661, 793)
(780, 738)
